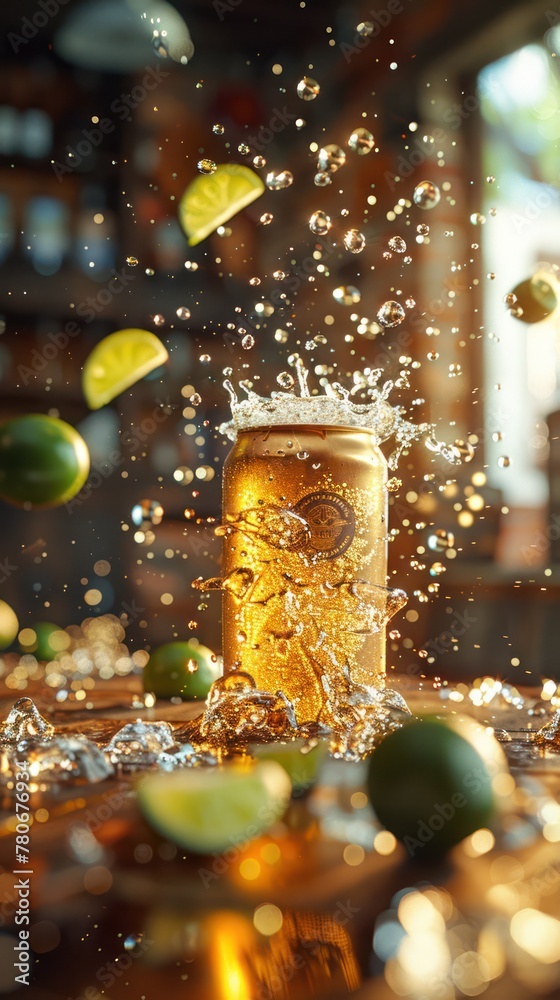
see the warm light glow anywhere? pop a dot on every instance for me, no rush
(249, 869)
(268, 919)
(418, 914)
(231, 979)
(538, 934)
(384, 842)
(353, 855)
(479, 843)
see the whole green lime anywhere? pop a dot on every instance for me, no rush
(43, 639)
(430, 787)
(181, 670)
(44, 462)
(9, 625)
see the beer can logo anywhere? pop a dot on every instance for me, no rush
(331, 521)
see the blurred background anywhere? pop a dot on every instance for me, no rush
(106, 107)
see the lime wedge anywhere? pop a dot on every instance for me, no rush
(117, 362)
(213, 199)
(209, 809)
(303, 768)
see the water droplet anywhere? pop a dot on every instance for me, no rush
(218, 129)
(347, 295)
(244, 149)
(132, 261)
(206, 166)
(504, 462)
(248, 342)
(279, 275)
(432, 356)
(254, 281)
(391, 313)
(331, 157)
(354, 241)
(160, 44)
(285, 380)
(150, 272)
(205, 359)
(302, 455)
(490, 179)
(365, 29)
(276, 180)
(441, 540)
(410, 303)
(437, 568)
(259, 162)
(423, 229)
(510, 299)
(394, 634)
(281, 336)
(426, 195)
(158, 319)
(264, 308)
(131, 941)
(147, 512)
(191, 265)
(266, 218)
(183, 312)
(320, 223)
(361, 141)
(463, 450)
(477, 219)
(454, 370)
(195, 399)
(397, 244)
(308, 89)
(394, 484)
(322, 179)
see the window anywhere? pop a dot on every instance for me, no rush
(520, 96)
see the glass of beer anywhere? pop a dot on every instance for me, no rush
(305, 601)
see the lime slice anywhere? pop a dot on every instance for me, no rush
(213, 199)
(117, 362)
(303, 768)
(208, 810)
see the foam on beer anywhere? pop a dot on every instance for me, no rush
(334, 408)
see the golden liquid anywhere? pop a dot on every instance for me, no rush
(304, 561)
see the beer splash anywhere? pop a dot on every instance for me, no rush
(337, 407)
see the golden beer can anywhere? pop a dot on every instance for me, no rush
(305, 562)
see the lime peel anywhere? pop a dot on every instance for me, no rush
(210, 809)
(117, 362)
(211, 200)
